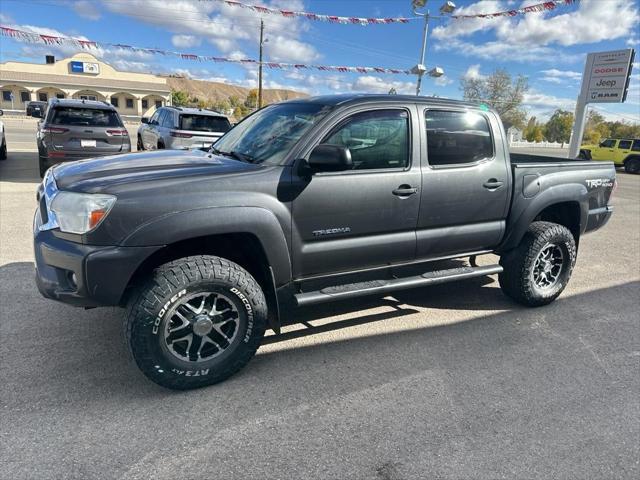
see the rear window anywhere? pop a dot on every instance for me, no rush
(85, 117)
(204, 123)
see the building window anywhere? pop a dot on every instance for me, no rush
(114, 101)
(60, 95)
(158, 103)
(25, 97)
(129, 102)
(43, 97)
(6, 95)
(88, 97)
(145, 104)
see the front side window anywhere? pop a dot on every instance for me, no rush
(160, 119)
(376, 139)
(608, 143)
(455, 138)
(624, 144)
(204, 123)
(268, 135)
(86, 117)
(167, 120)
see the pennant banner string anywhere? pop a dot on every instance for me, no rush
(31, 37)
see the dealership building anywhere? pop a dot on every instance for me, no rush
(82, 76)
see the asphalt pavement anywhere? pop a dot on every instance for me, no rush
(453, 381)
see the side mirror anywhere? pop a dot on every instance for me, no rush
(144, 119)
(330, 158)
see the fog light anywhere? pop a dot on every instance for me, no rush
(73, 280)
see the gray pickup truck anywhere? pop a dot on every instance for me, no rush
(303, 202)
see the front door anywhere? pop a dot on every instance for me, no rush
(366, 216)
(465, 183)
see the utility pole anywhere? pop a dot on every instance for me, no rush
(260, 64)
(420, 67)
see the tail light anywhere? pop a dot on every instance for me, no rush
(117, 133)
(54, 130)
(173, 133)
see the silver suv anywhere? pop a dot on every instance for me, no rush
(180, 128)
(77, 129)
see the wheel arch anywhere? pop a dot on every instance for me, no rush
(565, 205)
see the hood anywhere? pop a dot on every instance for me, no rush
(98, 174)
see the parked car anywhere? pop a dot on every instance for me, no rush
(36, 106)
(179, 128)
(623, 152)
(303, 202)
(77, 129)
(3, 140)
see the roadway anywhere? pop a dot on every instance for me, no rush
(452, 381)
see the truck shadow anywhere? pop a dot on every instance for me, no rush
(20, 167)
(82, 352)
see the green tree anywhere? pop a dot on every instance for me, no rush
(538, 134)
(558, 128)
(179, 98)
(252, 99)
(501, 92)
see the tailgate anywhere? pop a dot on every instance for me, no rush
(88, 140)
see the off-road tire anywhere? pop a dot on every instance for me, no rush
(3, 151)
(517, 279)
(632, 166)
(149, 309)
(140, 146)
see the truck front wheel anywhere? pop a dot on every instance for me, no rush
(538, 270)
(195, 322)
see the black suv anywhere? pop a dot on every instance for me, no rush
(77, 129)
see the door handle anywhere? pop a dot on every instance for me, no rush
(492, 184)
(405, 191)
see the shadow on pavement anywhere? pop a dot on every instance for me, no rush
(20, 167)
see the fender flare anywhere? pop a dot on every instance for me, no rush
(202, 222)
(519, 221)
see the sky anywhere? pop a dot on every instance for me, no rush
(549, 47)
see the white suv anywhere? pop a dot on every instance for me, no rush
(179, 128)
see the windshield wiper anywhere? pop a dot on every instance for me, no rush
(243, 157)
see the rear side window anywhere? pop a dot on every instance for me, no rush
(455, 138)
(376, 139)
(204, 123)
(636, 146)
(85, 117)
(624, 144)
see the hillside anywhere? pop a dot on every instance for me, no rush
(215, 91)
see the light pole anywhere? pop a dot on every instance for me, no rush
(420, 69)
(260, 65)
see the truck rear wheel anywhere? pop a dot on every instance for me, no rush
(195, 322)
(538, 270)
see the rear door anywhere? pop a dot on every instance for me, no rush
(465, 182)
(86, 131)
(148, 132)
(623, 149)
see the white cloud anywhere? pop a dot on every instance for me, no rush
(560, 77)
(530, 37)
(228, 28)
(473, 73)
(185, 41)
(87, 9)
(442, 81)
(373, 84)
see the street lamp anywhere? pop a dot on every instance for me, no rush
(446, 9)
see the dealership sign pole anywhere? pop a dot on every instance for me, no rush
(605, 80)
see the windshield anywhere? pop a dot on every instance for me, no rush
(269, 134)
(204, 123)
(86, 117)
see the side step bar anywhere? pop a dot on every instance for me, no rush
(360, 289)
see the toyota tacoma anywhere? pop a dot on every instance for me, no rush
(303, 202)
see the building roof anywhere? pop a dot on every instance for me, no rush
(83, 82)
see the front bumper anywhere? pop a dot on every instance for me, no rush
(84, 275)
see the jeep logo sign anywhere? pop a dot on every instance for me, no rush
(606, 76)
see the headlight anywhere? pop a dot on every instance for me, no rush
(80, 212)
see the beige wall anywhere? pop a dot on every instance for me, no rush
(137, 97)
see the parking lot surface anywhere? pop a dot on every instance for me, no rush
(452, 381)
